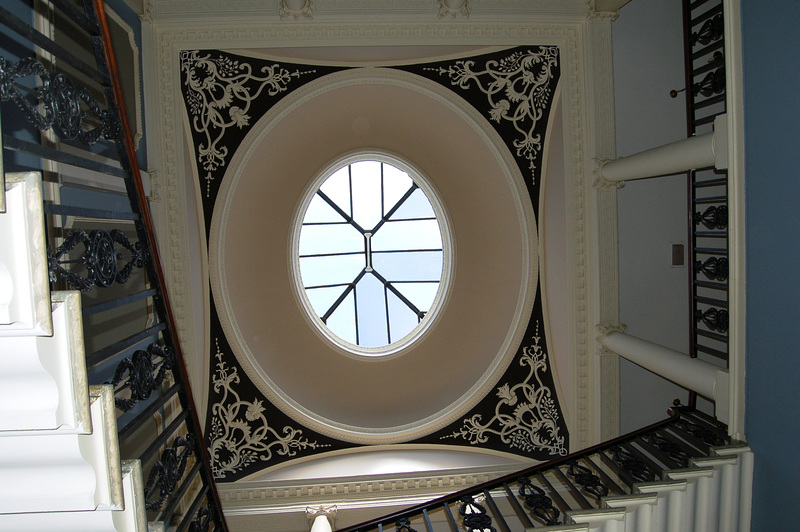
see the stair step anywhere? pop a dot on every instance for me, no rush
(640, 510)
(602, 520)
(49, 471)
(24, 281)
(43, 385)
(133, 518)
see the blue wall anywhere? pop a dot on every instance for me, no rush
(771, 38)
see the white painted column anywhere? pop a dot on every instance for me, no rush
(706, 379)
(701, 151)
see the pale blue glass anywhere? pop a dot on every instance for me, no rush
(416, 206)
(371, 304)
(366, 179)
(322, 298)
(320, 211)
(407, 235)
(343, 321)
(337, 188)
(420, 294)
(409, 265)
(402, 319)
(395, 184)
(337, 269)
(335, 238)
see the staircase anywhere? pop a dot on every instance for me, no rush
(680, 475)
(59, 454)
(98, 428)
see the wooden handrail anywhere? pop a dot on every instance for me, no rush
(136, 189)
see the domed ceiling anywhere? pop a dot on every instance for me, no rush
(480, 377)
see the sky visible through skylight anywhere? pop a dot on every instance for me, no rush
(371, 253)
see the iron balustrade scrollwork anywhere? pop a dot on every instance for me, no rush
(708, 436)
(628, 462)
(144, 375)
(475, 518)
(100, 258)
(714, 217)
(714, 319)
(590, 482)
(57, 103)
(540, 504)
(203, 519)
(712, 83)
(711, 30)
(168, 470)
(715, 268)
(404, 525)
(670, 448)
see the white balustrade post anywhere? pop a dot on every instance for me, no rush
(706, 379)
(701, 151)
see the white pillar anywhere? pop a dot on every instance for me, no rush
(706, 379)
(701, 151)
(321, 524)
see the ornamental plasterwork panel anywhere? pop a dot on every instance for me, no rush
(163, 95)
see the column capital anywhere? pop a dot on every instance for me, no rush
(603, 329)
(327, 513)
(599, 180)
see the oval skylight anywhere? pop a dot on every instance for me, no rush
(371, 254)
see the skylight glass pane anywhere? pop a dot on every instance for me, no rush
(409, 266)
(337, 188)
(416, 206)
(339, 238)
(420, 294)
(402, 319)
(343, 321)
(395, 184)
(320, 211)
(366, 178)
(371, 303)
(318, 271)
(322, 298)
(413, 234)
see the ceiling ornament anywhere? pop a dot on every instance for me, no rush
(517, 88)
(225, 95)
(219, 91)
(240, 432)
(526, 414)
(453, 8)
(297, 9)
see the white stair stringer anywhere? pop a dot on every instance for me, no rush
(48, 471)
(133, 518)
(43, 383)
(712, 495)
(24, 281)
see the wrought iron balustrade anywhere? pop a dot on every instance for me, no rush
(62, 115)
(704, 52)
(542, 495)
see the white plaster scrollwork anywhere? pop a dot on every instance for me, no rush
(526, 416)
(518, 88)
(453, 8)
(237, 441)
(297, 9)
(218, 98)
(599, 180)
